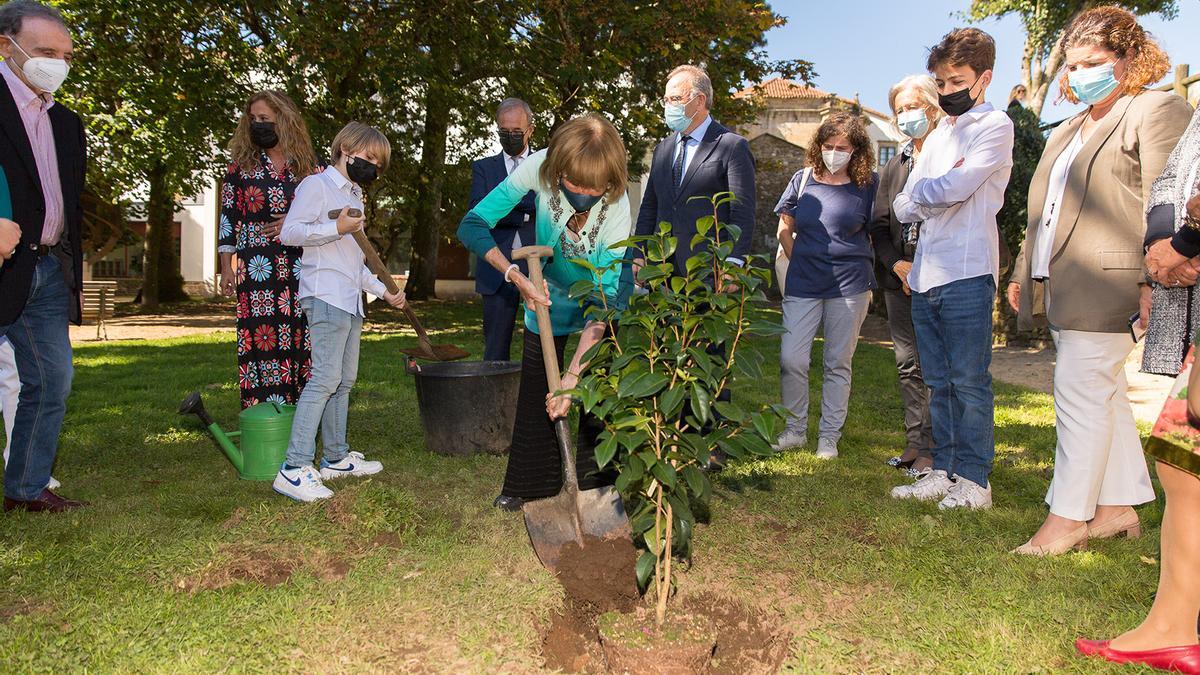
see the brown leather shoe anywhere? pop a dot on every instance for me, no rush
(47, 501)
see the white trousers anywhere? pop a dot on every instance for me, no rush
(1099, 458)
(10, 391)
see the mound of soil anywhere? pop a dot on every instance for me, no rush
(601, 577)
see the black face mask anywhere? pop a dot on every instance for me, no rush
(361, 171)
(959, 102)
(580, 202)
(513, 142)
(263, 135)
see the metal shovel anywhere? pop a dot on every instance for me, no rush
(425, 350)
(552, 522)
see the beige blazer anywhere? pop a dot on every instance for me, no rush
(1096, 260)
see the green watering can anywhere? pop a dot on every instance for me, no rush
(265, 431)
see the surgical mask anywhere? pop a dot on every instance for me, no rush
(580, 202)
(44, 73)
(959, 102)
(913, 123)
(675, 118)
(1092, 85)
(513, 142)
(835, 160)
(361, 171)
(262, 134)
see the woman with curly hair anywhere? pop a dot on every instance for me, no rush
(824, 216)
(271, 153)
(1080, 270)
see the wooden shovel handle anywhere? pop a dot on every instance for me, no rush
(375, 264)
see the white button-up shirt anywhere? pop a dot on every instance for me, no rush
(332, 268)
(1043, 245)
(958, 204)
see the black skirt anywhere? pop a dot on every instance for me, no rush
(534, 461)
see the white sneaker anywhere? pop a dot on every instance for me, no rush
(826, 448)
(967, 494)
(303, 484)
(53, 484)
(933, 486)
(353, 464)
(790, 438)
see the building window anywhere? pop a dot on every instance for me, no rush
(886, 152)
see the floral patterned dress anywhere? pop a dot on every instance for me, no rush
(274, 359)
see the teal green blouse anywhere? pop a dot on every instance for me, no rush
(607, 224)
(5, 198)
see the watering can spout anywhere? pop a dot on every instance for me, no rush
(194, 405)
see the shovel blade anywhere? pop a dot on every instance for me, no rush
(437, 353)
(555, 521)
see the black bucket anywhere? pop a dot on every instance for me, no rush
(467, 407)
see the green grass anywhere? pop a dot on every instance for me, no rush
(436, 580)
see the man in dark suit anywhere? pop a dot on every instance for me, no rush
(44, 154)
(700, 158)
(500, 298)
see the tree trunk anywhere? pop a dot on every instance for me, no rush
(161, 279)
(422, 275)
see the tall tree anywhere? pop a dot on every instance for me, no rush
(158, 84)
(1043, 56)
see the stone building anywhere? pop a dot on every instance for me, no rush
(790, 114)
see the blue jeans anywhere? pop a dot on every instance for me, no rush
(42, 347)
(953, 324)
(326, 398)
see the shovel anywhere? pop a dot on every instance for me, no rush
(425, 350)
(572, 514)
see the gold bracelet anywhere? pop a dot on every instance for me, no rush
(1191, 223)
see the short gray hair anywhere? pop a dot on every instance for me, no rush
(697, 79)
(924, 85)
(14, 13)
(514, 104)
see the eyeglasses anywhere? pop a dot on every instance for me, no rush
(675, 100)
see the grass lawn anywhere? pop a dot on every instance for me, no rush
(179, 566)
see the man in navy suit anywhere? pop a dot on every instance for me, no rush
(500, 298)
(700, 158)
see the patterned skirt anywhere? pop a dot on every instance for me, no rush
(274, 358)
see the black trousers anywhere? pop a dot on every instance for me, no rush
(534, 461)
(499, 318)
(918, 429)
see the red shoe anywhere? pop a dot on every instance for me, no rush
(47, 502)
(1176, 659)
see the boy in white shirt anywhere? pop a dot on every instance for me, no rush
(956, 188)
(332, 281)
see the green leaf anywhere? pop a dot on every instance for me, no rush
(730, 411)
(701, 400)
(762, 426)
(645, 568)
(695, 479)
(665, 473)
(671, 401)
(605, 450)
(704, 224)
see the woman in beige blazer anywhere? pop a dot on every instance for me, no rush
(1080, 268)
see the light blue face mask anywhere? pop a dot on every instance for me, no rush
(675, 118)
(1092, 85)
(913, 123)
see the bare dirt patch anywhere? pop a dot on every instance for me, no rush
(266, 565)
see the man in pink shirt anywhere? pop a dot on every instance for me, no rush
(43, 153)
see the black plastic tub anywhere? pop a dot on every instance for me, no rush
(467, 407)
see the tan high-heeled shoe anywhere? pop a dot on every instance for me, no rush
(1127, 524)
(1076, 539)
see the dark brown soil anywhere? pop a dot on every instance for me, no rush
(602, 578)
(264, 565)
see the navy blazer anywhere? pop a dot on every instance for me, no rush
(486, 174)
(722, 163)
(29, 209)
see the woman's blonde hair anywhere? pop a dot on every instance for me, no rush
(1118, 31)
(926, 87)
(294, 141)
(588, 152)
(358, 137)
(862, 160)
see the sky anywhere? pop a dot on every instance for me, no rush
(864, 46)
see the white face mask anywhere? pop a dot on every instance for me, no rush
(835, 160)
(43, 73)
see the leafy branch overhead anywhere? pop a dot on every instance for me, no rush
(656, 384)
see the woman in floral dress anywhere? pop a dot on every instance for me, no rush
(271, 152)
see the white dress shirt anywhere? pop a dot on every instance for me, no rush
(1043, 246)
(332, 268)
(958, 204)
(692, 145)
